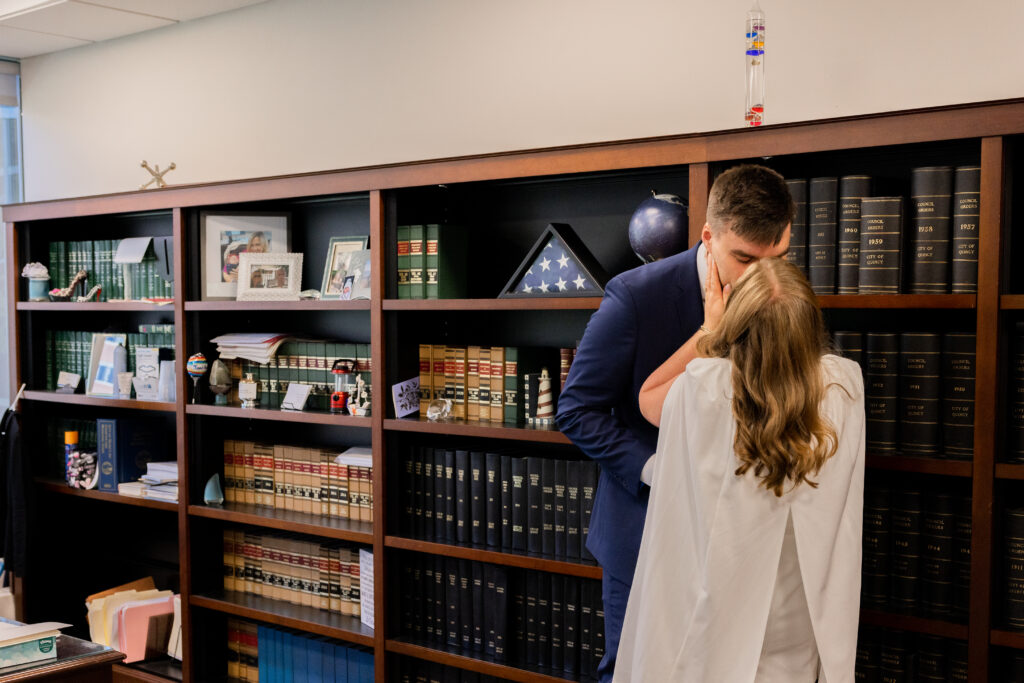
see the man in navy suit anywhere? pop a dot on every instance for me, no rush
(648, 313)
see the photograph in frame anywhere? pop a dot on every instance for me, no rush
(225, 237)
(269, 277)
(347, 256)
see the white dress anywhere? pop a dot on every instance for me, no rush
(733, 583)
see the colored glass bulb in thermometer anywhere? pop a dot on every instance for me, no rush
(754, 114)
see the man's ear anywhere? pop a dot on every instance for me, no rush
(705, 236)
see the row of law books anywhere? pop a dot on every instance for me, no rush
(917, 551)
(304, 362)
(890, 655)
(518, 617)
(1012, 558)
(850, 242)
(411, 670)
(1014, 451)
(70, 350)
(495, 384)
(96, 257)
(431, 261)
(918, 391)
(293, 569)
(310, 480)
(270, 654)
(534, 504)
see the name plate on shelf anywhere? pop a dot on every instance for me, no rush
(296, 397)
(67, 382)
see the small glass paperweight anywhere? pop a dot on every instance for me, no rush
(439, 409)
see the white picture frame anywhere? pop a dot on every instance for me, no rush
(224, 237)
(269, 277)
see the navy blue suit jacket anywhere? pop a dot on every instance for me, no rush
(646, 314)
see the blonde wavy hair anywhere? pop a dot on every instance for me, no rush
(773, 332)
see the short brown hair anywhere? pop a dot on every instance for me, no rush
(752, 201)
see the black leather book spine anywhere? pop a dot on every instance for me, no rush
(409, 591)
(419, 603)
(966, 213)
(418, 493)
(821, 242)
(962, 557)
(547, 512)
(586, 630)
(557, 622)
(895, 657)
(572, 510)
(462, 511)
(451, 596)
(852, 188)
(920, 388)
(439, 603)
(543, 619)
(851, 345)
(931, 194)
(797, 253)
(479, 627)
(426, 596)
(958, 370)
(937, 573)
(520, 504)
(906, 550)
(876, 547)
(466, 604)
(1015, 396)
(440, 529)
(1013, 567)
(492, 488)
(868, 656)
(588, 487)
(534, 503)
(570, 637)
(500, 609)
(408, 495)
(958, 661)
(597, 626)
(478, 499)
(451, 534)
(931, 659)
(881, 389)
(881, 226)
(531, 618)
(517, 595)
(560, 509)
(428, 494)
(506, 502)
(490, 596)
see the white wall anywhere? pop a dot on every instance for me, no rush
(305, 85)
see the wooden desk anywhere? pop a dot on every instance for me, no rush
(77, 660)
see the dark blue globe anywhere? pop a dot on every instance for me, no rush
(658, 228)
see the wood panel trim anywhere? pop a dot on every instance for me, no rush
(13, 331)
(700, 188)
(377, 407)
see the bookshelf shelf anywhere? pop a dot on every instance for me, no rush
(94, 306)
(1011, 302)
(311, 305)
(906, 463)
(288, 520)
(410, 648)
(62, 488)
(308, 619)
(1008, 639)
(899, 301)
(588, 303)
(83, 400)
(146, 672)
(905, 622)
(1008, 470)
(503, 557)
(477, 429)
(308, 417)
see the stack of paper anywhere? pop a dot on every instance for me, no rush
(102, 616)
(24, 643)
(356, 456)
(161, 472)
(174, 643)
(252, 346)
(132, 488)
(163, 492)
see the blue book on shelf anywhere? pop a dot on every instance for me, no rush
(263, 638)
(276, 666)
(125, 445)
(355, 668)
(327, 661)
(314, 665)
(340, 663)
(287, 661)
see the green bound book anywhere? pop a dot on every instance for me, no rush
(446, 261)
(404, 285)
(417, 282)
(512, 402)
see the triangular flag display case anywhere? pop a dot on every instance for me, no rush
(558, 264)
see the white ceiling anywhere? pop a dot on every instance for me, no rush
(35, 27)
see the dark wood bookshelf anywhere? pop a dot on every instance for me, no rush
(908, 463)
(486, 430)
(580, 303)
(898, 301)
(509, 558)
(1011, 302)
(61, 487)
(452, 657)
(303, 305)
(94, 306)
(279, 613)
(83, 400)
(1008, 639)
(1009, 470)
(906, 622)
(165, 670)
(306, 416)
(287, 520)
